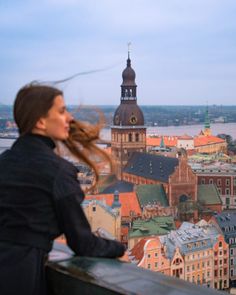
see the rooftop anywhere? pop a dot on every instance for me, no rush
(150, 166)
(129, 202)
(159, 225)
(208, 194)
(151, 194)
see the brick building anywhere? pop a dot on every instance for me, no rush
(223, 176)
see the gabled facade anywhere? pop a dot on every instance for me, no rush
(150, 254)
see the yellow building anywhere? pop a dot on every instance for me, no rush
(102, 216)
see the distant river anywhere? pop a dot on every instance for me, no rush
(227, 128)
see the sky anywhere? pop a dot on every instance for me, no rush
(183, 51)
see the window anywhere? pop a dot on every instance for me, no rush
(234, 181)
(231, 252)
(220, 244)
(188, 268)
(149, 255)
(227, 182)
(149, 266)
(225, 271)
(156, 254)
(225, 261)
(211, 181)
(231, 272)
(193, 267)
(203, 181)
(136, 137)
(219, 190)
(231, 261)
(219, 182)
(156, 264)
(94, 209)
(130, 137)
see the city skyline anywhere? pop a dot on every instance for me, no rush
(182, 53)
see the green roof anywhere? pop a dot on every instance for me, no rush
(159, 225)
(151, 193)
(208, 194)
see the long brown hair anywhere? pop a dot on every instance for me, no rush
(33, 102)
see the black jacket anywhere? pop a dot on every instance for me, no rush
(40, 199)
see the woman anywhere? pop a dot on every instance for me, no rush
(40, 197)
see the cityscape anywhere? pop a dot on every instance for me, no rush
(159, 78)
(172, 199)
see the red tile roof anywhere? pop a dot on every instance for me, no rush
(169, 141)
(137, 251)
(206, 140)
(129, 202)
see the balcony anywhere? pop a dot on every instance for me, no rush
(102, 276)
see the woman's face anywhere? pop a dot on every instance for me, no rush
(57, 122)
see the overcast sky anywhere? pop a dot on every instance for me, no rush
(183, 51)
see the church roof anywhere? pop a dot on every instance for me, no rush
(151, 166)
(151, 194)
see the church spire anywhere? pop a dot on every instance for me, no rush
(207, 127)
(128, 86)
(129, 60)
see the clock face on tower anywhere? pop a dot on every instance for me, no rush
(133, 119)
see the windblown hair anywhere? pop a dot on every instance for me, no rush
(33, 102)
(82, 143)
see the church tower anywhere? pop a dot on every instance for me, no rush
(207, 127)
(128, 133)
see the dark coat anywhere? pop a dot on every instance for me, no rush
(40, 198)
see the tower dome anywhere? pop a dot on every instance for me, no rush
(128, 112)
(128, 75)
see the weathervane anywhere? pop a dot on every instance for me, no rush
(129, 44)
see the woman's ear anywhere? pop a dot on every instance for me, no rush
(41, 124)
